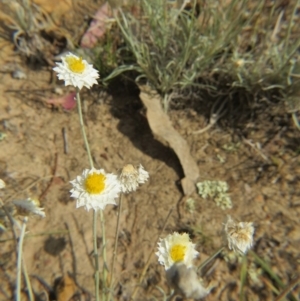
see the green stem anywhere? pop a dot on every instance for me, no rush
(267, 269)
(104, 256)
(86, 143)
(288, 34)
(11, 220)
(27, 280)
(243, 278)
(115, 246)
(289, 288)
(96, 256)
(19, 260)
(208, 260)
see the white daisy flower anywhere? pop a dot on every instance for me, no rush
(95, 189)
(29, 207)
(76, 72)
(239, 235)
(130, 177)
(176, 248)
(2, 184)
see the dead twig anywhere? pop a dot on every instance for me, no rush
(256, 147)
(52, 178)
(286, 291)
(65, 138)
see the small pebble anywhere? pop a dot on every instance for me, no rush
(58, 91)
(259, 198)
(247, 188)
(2, 136)
(19, 74)
(289, 177)
(294, 235)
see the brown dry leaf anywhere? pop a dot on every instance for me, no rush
(162, 128)
(65, 289)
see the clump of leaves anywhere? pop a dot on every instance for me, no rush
(106, 55)
(216, 48)
(171, 47)
(217, 190)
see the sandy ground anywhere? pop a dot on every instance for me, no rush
(259, 160)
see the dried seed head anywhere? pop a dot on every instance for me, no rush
(239, 63)
(131, 177)
(239, 235)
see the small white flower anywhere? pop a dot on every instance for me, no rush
(176, 248)
(130, 177)
(29, 207)
(95, 189)
(239, 235)
(76, 72)
(2, 184)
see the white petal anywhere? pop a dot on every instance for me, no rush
(95, 201)
(87, 78)
(165, 246)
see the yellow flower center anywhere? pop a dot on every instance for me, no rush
(177, 252)
(95, 183)
(75, 64)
